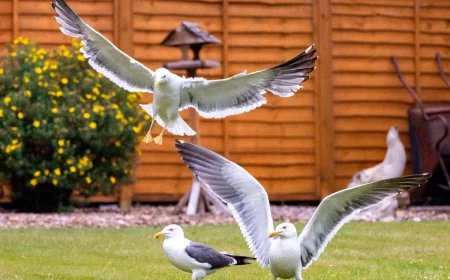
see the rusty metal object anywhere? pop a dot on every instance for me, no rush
(428, 128)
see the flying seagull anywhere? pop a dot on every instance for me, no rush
(392, 166)
(212, 99)
(193, 257)
(287, 255)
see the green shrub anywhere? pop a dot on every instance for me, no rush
(63, 127)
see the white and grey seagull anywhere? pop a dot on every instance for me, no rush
(287, 254)
(196, 258)
(172, 93)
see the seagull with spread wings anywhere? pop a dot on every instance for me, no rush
(212, 99)
(286, 255)
(193, 257)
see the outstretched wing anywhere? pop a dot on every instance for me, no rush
(245, 197)
(242, 93)
(102, 55)
(338, 208)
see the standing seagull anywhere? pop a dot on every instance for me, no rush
(193, 257)
(212, 99)
(287, 255)
(392, 166)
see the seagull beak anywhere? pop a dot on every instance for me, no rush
(158, 235)
(273, 234)
(157, 83)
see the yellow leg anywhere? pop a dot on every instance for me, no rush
(148, 137)
(158, 139)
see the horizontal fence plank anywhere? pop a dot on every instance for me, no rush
(278, 11)
(359, 10)
(377, 50)
(372, 23)
(83, 8)
(375, 37)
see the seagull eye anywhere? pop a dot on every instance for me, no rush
(164, 76)
(171, 229)
(284, 227)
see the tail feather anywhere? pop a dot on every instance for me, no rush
(240, 260)
(178, 127)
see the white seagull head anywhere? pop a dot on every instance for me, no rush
(171, 231)
(284, 230)
(392, 136)
(162, 75)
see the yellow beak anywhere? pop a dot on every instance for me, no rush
(273, 234)
(158, 235)
(157, 83)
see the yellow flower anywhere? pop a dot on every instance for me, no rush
(38, 70)
(26, 80)
(86, 115)
(76, 81)
(13, 54)
(64, 81)
(15, 141)
(136, 129)
(2, 71)
(53, 67)
(117, 143)
(1, 113)
(54, 110)
(72, 109)
(52, 74)
(59, 93)
(55, 182)
(14, 128)
(36, 123)
(14, 108)
(69, 162)
(28, 93)
(7, 100)
(61, 142)
(33, 182)
(37, 173)
(100, 75)
(112, 179)
(95, 90)
(60, 150)
(88, 180)
(81, 57)
(57, 171)
(146, 117)
(115, 106)
(46, 172)
(93, 125)
(73, 169)
(20, 115)
(88, 96)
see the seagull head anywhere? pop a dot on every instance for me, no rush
(171, 231)
(392, 136)
(284, 230)
(162, 75)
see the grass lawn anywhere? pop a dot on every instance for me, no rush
(403, 250)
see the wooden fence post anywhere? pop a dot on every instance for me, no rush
(123, 37)
(323, 84)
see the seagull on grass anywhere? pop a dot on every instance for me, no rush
(281, 249)
(392, 166)
(212, 99)
(196, 258)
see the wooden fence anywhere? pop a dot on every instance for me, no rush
(300, 148)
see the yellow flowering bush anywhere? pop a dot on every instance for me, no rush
(63, 127)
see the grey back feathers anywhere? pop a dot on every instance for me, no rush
(205, 254)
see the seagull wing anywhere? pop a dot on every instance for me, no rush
(207, 255)
(245, 197)
(242, 93)
(338, 208)
(102, 55)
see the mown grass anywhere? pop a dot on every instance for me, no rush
(403, 250)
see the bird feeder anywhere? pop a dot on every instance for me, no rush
(188, 36)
